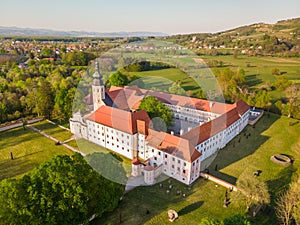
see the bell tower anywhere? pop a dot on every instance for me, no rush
(98, 88)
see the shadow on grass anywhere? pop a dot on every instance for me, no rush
(145, 202)
(280, 184)
(252, 80)
(12, 168)
(21, 134)
(190, 208)
(242, 146)
(52, 130)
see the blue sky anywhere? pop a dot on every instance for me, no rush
(177, 16)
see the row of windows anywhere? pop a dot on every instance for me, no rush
(107, 129)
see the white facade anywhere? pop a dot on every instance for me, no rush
(157, 160)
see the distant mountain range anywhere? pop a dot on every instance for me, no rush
(18, 31)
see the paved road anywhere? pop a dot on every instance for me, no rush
(19, 124)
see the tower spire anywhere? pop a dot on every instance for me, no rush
(98, 88)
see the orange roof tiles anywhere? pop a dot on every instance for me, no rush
(211, 128)
(173, 145)
(119, 119)
(129, 97)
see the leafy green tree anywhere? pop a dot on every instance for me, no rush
(154, 108)
(237, 220)
(175, 88)
(253, 188)
(275, 71)
(118, 79)
(282, 83)
(262, 98)
(64, 190)
(44, 98)
(207, 221)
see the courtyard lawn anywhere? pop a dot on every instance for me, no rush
(53, 130)
(29, 149)
(270, 136)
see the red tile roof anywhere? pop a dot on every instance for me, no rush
(129, 97)
(173, 145)
(241, 107)
(211, 128)
(119, 119)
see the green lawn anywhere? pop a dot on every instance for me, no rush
(163, 79)
(258, 73)
(260, 69)
(88, 147)
(29, 149)
(53, 130)
(271, 135)
(203, 199)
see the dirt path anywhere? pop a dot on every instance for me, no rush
(55, 140)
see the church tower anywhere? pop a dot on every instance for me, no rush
(98, 89)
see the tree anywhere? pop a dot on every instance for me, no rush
(284, 208)
(237, 220)
(45, 99)
(275, 71)
(282, 83)
(293, 93)
(288, 204)
(154, 108)
(175, 88)
(64, 190)
(262, 98)
(207, 221)
(118, 79)
(253, 188)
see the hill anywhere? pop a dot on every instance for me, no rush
(17, 31)
(282, 38)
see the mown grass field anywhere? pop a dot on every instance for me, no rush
(258, 72)
(53, 130)
(29, 149)
(164, 78)
(259, 69)
(271, 135)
